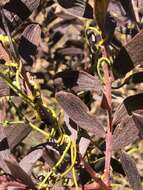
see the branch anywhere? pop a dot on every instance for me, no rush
(108, 96)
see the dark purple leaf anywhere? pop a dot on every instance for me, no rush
(51, 153)
(4, 55)
(125, 133)
(129, 105)
(135, 78)
(29, 42)
(116, 10)
(129, 56)
(140, 5)
(71, 130)
(79, 113)
(29, 160)
(15, 134)
(4, 88)
(71, 51)
(117, 166)
(127, 126)
(78, 81)
(17, 11)
(130, 169)
(138, 119)
(18, 173)
(128, 7)
(77, 7)
(4, 150)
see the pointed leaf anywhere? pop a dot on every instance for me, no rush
(79, 113)
(130, 169)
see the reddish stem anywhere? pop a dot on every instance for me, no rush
(99, 183)
(107, 92)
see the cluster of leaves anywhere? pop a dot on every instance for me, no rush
(78, 53)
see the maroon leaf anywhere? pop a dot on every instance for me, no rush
(130, 169)
(17, 11)
(3, 54)
(125, 133)
(127, 126)
(29, 160)
(117, 11)
(72, 131)
(138, 119)
(29, 42)
(79, 113)
(129, 9)
(15, 134)
(71, 127)
(78, 81)
(135, 78)
(71, 51)
(77, 7)
(129, 105)
(4, 88)
(129, 56)
(18, 173)
(4, 150)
